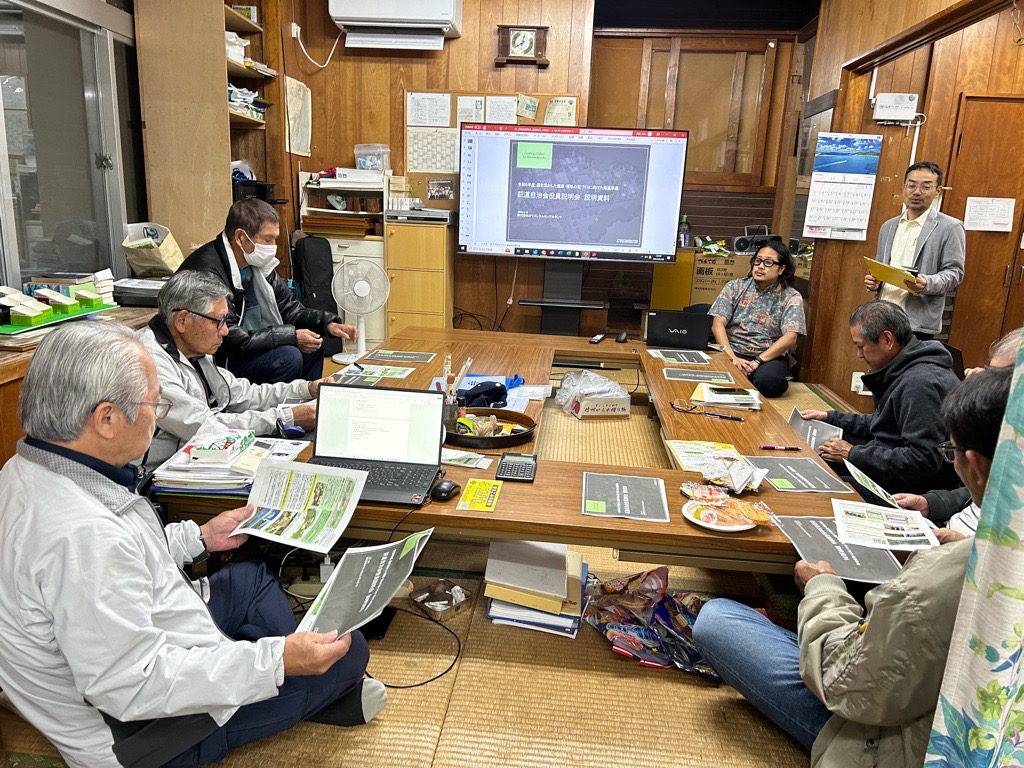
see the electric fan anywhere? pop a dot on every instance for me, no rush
(360, 287)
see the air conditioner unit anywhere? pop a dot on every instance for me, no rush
(403, 24)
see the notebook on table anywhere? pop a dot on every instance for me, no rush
(394, 434)
(673, 329)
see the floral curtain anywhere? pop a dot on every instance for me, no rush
(980, 717)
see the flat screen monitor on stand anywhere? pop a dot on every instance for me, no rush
(571, 196)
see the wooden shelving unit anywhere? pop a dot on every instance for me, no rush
(236, 22)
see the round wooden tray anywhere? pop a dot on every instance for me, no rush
(501, 441)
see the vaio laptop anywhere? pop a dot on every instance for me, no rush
(673, 329)
(394, 434)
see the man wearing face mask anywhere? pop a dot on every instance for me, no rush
(272, 337)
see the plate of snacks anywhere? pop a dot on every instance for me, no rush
(492, 428)
(731, 516)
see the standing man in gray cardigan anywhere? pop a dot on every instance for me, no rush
(923, 240)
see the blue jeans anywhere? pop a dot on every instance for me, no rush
(278, 364)
(762, 661)
(247, 603)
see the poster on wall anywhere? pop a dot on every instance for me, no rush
(842, 185)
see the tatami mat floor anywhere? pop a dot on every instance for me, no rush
(524, 699)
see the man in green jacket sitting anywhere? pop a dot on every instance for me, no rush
(856, 686)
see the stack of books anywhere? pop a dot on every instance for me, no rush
(535, 585)
(206, 465)
(726, 397)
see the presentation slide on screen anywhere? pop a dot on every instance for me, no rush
(600, 193)
(561, 192)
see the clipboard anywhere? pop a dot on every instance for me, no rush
(894, 276)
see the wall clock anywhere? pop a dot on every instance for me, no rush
(518, 44)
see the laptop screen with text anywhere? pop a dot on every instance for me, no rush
(379, 424)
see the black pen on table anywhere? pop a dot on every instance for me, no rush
(780, 448)
(727, 416)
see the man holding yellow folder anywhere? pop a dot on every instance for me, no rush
(925, 242)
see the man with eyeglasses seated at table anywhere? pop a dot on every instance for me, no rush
(271, 336)
(182, 338)
(924, 240)
(954, 508)
(858, 686)
(105, 645)
(759, 317)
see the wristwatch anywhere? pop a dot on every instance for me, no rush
(205, 554)
(760, 362)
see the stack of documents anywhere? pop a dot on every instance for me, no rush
(234, 477)
(135, 292)
(726, 397)
(523, 581)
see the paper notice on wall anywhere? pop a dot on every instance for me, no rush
(299, 117)
(469, 109)
(526, 106)
(502, 109)
(432, 150)
(989, 214)
(428, 109)
(561, 110)
(842, 185)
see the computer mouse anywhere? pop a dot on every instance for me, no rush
(444, 490)
(622, 337)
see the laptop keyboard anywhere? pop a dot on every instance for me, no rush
(385, 475)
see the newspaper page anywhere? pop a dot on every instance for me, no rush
(362, 584)
(302, 505)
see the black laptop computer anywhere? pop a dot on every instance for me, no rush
(394, 434)
(673, 329)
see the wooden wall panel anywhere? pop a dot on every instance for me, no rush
(847, 28)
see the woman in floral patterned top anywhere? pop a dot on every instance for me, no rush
(758, 319)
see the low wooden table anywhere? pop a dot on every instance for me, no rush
(549, 509)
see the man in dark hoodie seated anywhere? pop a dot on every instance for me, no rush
(897, 444)
(272, 337)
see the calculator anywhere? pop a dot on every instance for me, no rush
(517, 466)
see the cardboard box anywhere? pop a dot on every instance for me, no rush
(711, 273)
(601, 407)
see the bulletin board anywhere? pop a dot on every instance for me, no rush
(432, 120)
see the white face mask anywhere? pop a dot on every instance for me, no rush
(262, 256)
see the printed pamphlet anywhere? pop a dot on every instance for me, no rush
(870, 525)
(362, 584)
(815, 538)
(302, 505)
(812, 431)
(635, 498)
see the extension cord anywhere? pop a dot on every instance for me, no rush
(310, 588)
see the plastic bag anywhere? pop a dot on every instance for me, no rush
(642, 621)
(579, 384)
